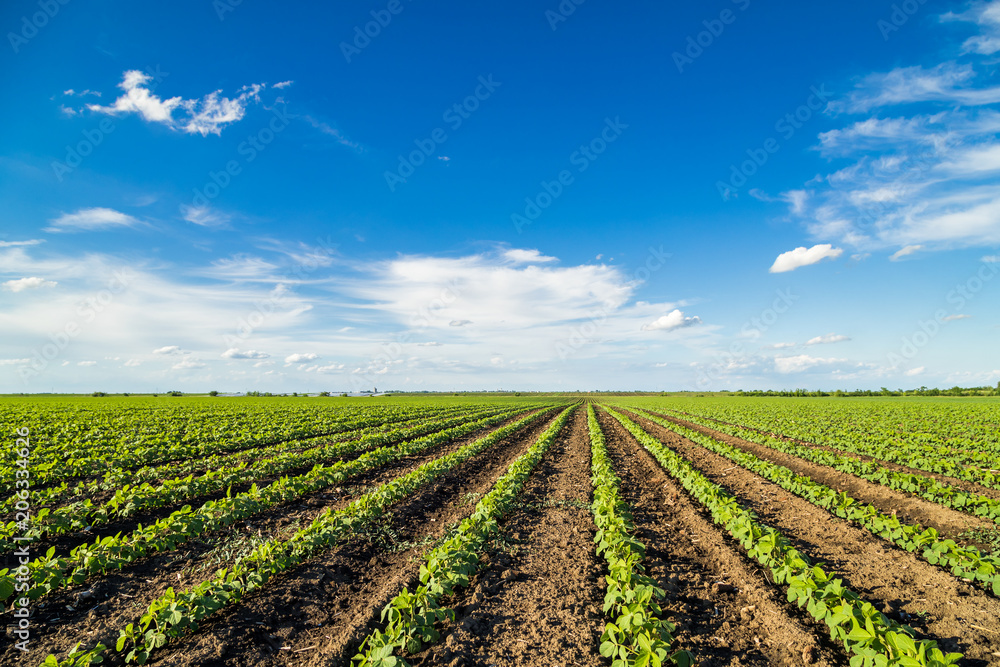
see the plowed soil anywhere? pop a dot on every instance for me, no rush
(960, 616)
(105, 604)
(540, 603)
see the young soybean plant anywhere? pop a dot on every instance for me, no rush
(411, 617)
(637, 635)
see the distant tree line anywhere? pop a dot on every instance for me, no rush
(921, 391)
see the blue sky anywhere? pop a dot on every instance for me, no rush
(530, 196)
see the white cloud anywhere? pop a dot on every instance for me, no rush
(204, 216)
(903, 252)
(459, 323)
(27, 283)
(991, 259)
(926, 175)
(14, 362)
(300, 358)
(521, 256)
(11, 244)
(91, 218)
(331, 131)
(282, 84)
(188, 363)
(947, 82)
(779, 346)
(914, 371)
(802, 362)
(206, 115)
(675, 319)
(331, 368)
(233, 353)
(133, 362)
(169, 349)
(86, 363)
(801, 256)
(987, 16)
(827, 339)
(952, 318)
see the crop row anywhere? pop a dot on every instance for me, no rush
(411, 617)
(175, 613)
(964, 562)
(128, 500)
(925, 433)
(117, 478)
(636, 633)
(921, 485)
(868, 635)
(88, 438)
(49, 572)
(54, 463)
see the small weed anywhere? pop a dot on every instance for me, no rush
(989, 538)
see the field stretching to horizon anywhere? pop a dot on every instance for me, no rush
(500, 530)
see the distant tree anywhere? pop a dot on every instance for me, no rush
(213, 393)
(324, 393)
(99, 393)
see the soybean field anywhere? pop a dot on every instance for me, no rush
(500, 530)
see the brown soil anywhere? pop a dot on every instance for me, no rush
(908, 507)
(969, 487)
(960, 616)
(537, 601)
(746, 621)
(66, 542)
(119, 597)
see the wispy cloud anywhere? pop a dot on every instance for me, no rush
(90, 219)
(904, 252)
(205, 216)
(803, 362)
(12, 244)
(330, 131)
(827, 339)
(925, 156)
